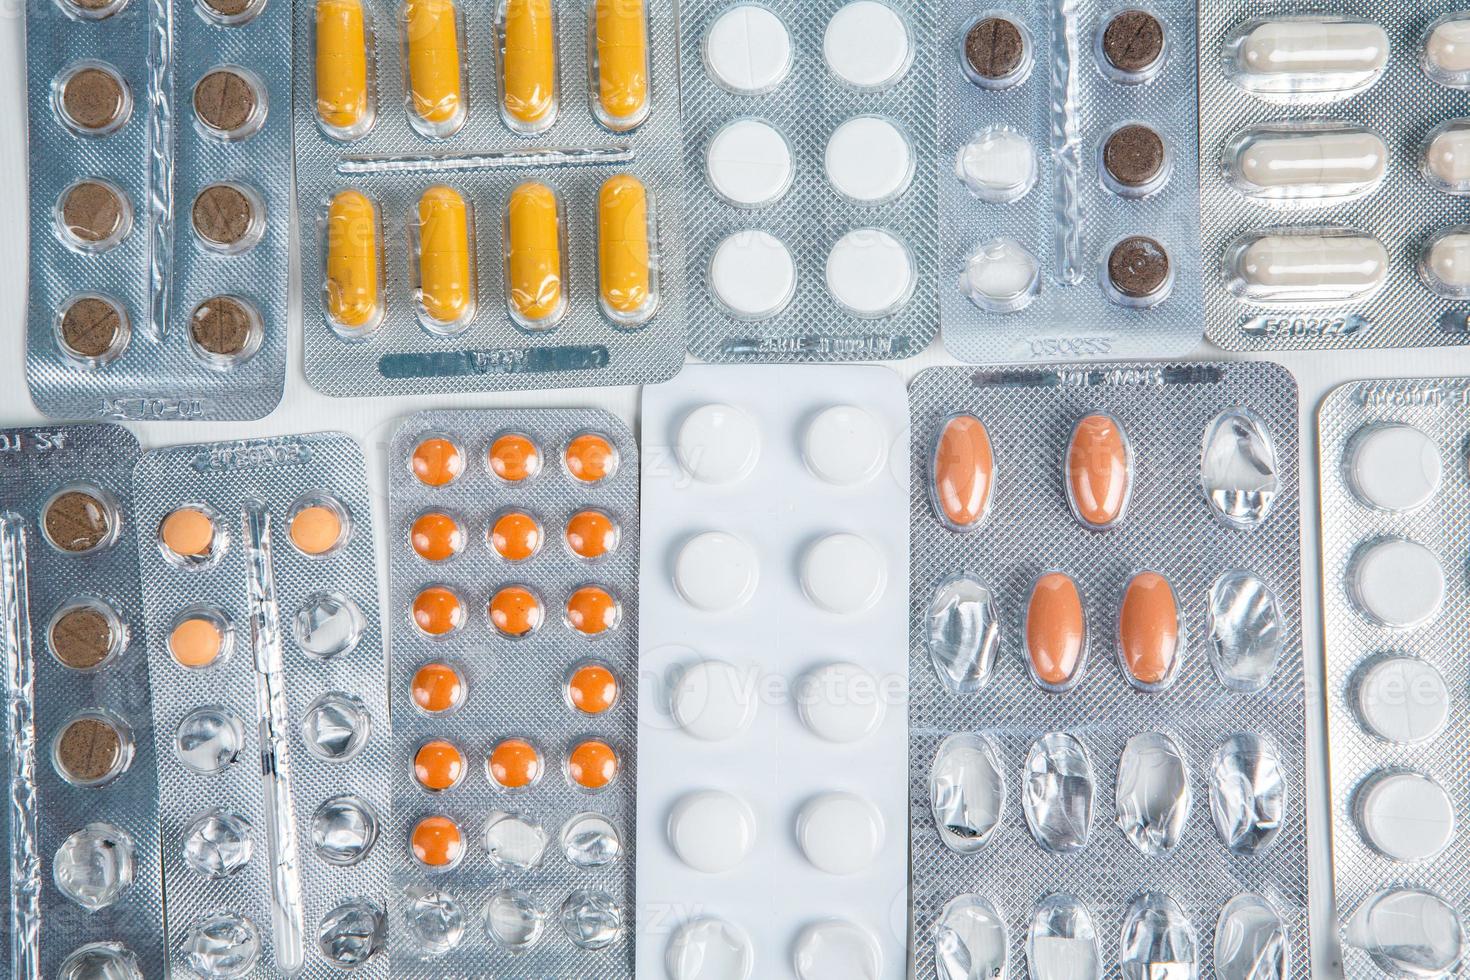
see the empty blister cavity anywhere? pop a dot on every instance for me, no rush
(870, 273)
(1099, 472)
(836, 949)
(869, 160)
(1445, 55)
(336, 726)
(967, 792)
(217, 843)
(1151, 634)
(1396, 583)
(1057, 789)
(867, 45)
(591, 919)
(1251, 941)
(1306, 58)
(1393, 467)
(94, 866)
(1305, 266)
(970, 939)
(106, 960)
(434, 921)
(352, 933)
(1248, 794)
(962, 473)
(1158, 940)
(1001, 276)
(1153, 793)
(841, 702)
(1446, 157)
(343, 830)
(1307, 162)
(209, 739)
(1401, 699)
(222, 945)
(748, 163)
(998, 165)
(845, 446)
(840, 833)
(712, 831)
(1404, 815)
(753, 275)
(1408, 932)
(843, 574)
(1056, 633)
(1238, 468)
(964, 633)
(716, 571)
(590, 840)
(748, 49)
(1244, 631)
(514, 842)
(709, 949)
(1061, 942)
(996, 51)
(513, 920)
(1444, 264)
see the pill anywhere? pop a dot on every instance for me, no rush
(844, 446)
(867, 45)
(592, 610)
(514, 763)
(94, 99)
(1343, 54)
(752, 275)
(437, 687)
(85, 635)
(869, 160)
(624, 250)
(94, 215)
(516, 611)
(91, 750)
(712, 831)
(1405, 815)
(528, 57)
(1135, 160)
(1133, 43)
(514, 457)
(93, 329)
(996, 52)
(438, 765)
(591, 534)
(223, 329)
(342, 104)
(1056, 632)
(840, 833)
(352, 260)
(229, 104)
(748, 163)
(748, 49)
(533, 259)
(1307, 267)
(1001, 276)
(435, 92)
(317, 529)
(710, 949)
(1403, 700)
(1397, 583)
(835, 949)
(1445, 266)
(188, 533)
(1139, 271)
(78, 521)
(436, 461)
(437, 842)
(228, 218)
(592, 688)
(998, 165)
(436, 536)
(870, 273)
(718, 443)
(516, 535)
(1099, 472)
(446, 288)
(712, 700)
(1447, 49)
(592, 764)
(196, 641)
(841, 702)
(1393, 467)
(1320, 162)
(1150, 631)
(962, 476)
(621, 47)
(437, 611)
(843, 574)
(591, 457)
(1447, 158)
(716, 571)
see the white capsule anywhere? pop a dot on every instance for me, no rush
(1309, 56)
(1447, 50)
(1445, 266)
(1279, 162)
(1298, 268)
(1447, 157)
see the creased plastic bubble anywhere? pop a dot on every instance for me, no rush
(1250, 941)
(217, 843)
(589, 840)
(591, 919)
(513, 920)
(435, 921)
(964, 633)
(352, 933)
(335, 726)
(967, 791)
(514, 842)
(100, 961)
(1153, 793)
(1056, 793)
(1409, 932)
(1247, 793)
(1062, 942)
(1244, 631)
(209, 738)
(328, 625)
(1238, 468)
(1158, 941)
(94, 866)
(343, 830)
(970, 940)
(222, 945)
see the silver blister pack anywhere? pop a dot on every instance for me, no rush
(1068, 210)
(1106, 673)
(83, 889)
(160, 207)
(384, 327)
(513, 543)
(274, 734)
(808, 172)
(1332, 213)
(1394, 486)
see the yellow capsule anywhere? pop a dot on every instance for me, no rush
(622, 62)
(446, 285)
(622, 249)
(434, 86)
(533, 255)
(341, 68)
(352, 260)
(529, 57)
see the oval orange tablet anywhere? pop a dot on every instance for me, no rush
(1099, 471)
(514, 763)
(593, 764)
(436, 536)
(515, 535)
(437, 611)
(437, 842)
(438, 765)
(317, 529)
(1149, 636)
(592, 610)
(437, 461)
(591, 457)
(196, 642)
(1056, 632)
(592, 689)
(963, 473)
(437, 687)
(591, 534)
(188, 532)
(514, 457)
(515, 611)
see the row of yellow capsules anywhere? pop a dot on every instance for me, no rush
(423, 151)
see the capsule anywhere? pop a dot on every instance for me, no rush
(1283, 162)
(528, 99)
(1309, 56)
(624, 271)
(533, 256)
(446, 281)
(353, 295)
(620, 32)
(1329, 265)
(1446, 56)
(1446, 161)
(342, 100)
(435, 89)
(1445, 264)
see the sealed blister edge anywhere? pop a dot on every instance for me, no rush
(1171, 528)
(288, 863)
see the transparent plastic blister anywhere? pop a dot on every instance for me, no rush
(1331, 174)
(1393, 483)
(771, 779)
(274, 734)
(81, 828)
(481, 213)
(1107, 754)
(808, 176)
(160, 189)
(1067, 153)
(513, 544)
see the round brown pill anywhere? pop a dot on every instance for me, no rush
(995, 48)
(82, 637)
(225, 101)
(221, 326)
(93, 213)
(1134, 155)
(77, 521)
(1138, 267)
(91, 327)
(93, 99)
(227, 10)
(1133, 41)
(89, 750)
(91, 7)
(223, 215)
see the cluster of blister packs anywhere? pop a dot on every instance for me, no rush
(808, 178)
(271, 723)
(1107, 760)
(1334, 174)
(1068, 202)
(514, 556)
(489, 193)
(160, 189)
(771, 785)
(82, 894)
(1394, 484)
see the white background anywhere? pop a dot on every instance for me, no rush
(372, 421)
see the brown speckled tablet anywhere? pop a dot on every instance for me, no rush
(77, 521)
(224, 100)
(1134, 155)
(82, 637)
(88, 750)
(1133, 41)
(90, 327)
(93, 99)
(221, 325)
(994, 48)
(227, 8)
(92, 212)
(222, 215)
(1138, 267)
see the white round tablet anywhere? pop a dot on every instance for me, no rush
(711, 830)
(1405, 815)
(1393, 467)
(748, 49)
(867, 45)
(716, 571)
(718, 443)
(1001, 276)
(840, 702)
(844, 446)
(840, 833)
(869, 160)
(837, 950)
(710, 949)
(1403, 700)
(748, 163)
(752, 275)
(843, 573)
(870, 273)
(712, 699)
(997, 165)
(1397, 583)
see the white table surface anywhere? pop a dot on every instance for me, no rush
(372, 421)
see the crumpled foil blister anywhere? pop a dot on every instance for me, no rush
(34, 465)
(226, 476)
(1165, 410)
(515, 688)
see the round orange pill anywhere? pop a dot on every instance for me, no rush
(515, 535)
(591, 457)
(188, 532)
(592, 688)
(592, 610)
(437, 461)
(514, 763)
(591, 534)
(437, 687)
(196, 642)
(316, 529)
(514, 457)
(515, 610)
(437, 842)
(593, 764)
(437, 610)
(438, 765)
(436, 536)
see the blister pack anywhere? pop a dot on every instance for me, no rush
(489, 193)
(808, 175)
(514, 555)
(1107, 765)
(1394, 493)
(160, 195)
(772, 778)
(82, 897)
(272, 723)
(1067, 158)
(1333, 177)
